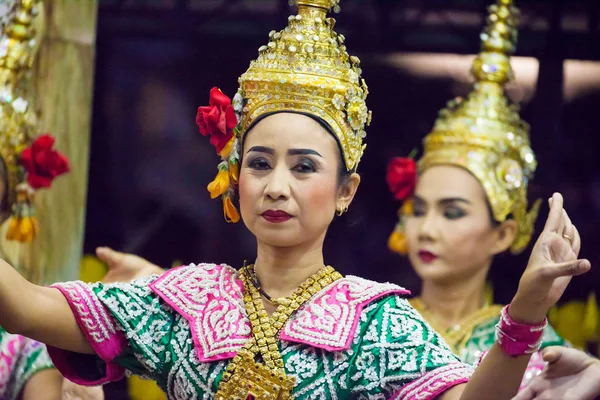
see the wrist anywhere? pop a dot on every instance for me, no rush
(523, 314)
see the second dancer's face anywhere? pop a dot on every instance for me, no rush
(288, 184)
(450, 234)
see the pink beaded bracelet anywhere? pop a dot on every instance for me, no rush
(518, 339)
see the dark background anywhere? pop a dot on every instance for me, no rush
(157, 60)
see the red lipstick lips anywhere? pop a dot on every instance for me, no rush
(276, 216)
(427, 257)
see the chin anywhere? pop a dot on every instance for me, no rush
(435, 271)
(435, 276)
(278, 237)
(440, 273)
(280, 242)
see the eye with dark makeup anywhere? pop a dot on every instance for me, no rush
(259, 164)
(305, 166)
(418, 208)
(454, 212)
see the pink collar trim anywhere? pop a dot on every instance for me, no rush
(210, 298)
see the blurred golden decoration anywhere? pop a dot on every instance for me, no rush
(577, 322)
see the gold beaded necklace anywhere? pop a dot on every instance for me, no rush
(245, 378)
(457, 336)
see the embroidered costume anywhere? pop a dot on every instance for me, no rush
(20, 359)
(353, 339)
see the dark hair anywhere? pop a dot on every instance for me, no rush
(493, 221)
(343, 176)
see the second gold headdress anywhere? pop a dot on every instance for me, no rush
(306, 69)
(485, 134)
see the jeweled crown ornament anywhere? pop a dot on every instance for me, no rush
(17, 120)
(484, 132)
(306, 68)
(27, 164)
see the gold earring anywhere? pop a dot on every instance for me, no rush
(342, 211)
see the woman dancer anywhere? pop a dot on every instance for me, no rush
(469, 203)
(288, 325)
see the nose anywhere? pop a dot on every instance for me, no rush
(278, 185)
(428, 227)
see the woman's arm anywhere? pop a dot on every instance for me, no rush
(552, 264)
(498, 376)
(43, 385)
(38, 312)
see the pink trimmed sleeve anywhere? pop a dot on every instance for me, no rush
(100, 329)
(435, 382)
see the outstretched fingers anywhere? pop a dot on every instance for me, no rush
(555, 221)
(576, 243)
(567, 268)
(110, 256)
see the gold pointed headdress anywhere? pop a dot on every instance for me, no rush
(304, 68)
(484, 132)
(28, 164)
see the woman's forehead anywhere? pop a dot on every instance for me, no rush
(288, 130)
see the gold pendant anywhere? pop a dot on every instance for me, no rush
(252, 380)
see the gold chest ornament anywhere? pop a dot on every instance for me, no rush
(247, 379)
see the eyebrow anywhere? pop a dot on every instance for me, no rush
(261, 149)
(291, 152)
(302, 152)
(446, 200)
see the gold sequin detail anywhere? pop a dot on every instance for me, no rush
(267, 380)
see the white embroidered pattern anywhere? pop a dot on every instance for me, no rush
(209, 296)
(397, 349)
(88, 310)
(188, 378)
(141, 316)
(432, 384)
(329, 320)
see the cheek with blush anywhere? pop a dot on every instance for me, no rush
(248, 192)
(318, 195)
(469, 244)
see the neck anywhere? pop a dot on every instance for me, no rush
(282, 269)
(453, 301)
